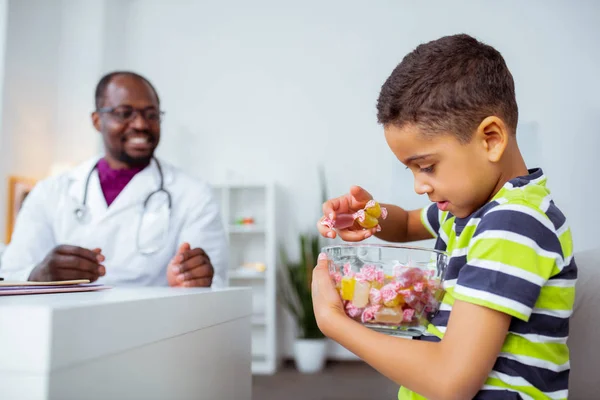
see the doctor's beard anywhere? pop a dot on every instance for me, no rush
(148, 145)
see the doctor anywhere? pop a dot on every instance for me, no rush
(125, 218)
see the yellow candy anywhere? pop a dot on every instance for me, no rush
(348, 288)
(377, 285)
(373, 210)
(396, 301)
(368, 222)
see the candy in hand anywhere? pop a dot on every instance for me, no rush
(367, 218)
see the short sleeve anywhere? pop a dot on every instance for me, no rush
(430, 218)
(512, 254)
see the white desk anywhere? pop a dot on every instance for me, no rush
(127, 343)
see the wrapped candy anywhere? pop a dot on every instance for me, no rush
(352, 311)
(360, 298)
(368, 314)
(375, 296)
(389, 315)
(390, 295)
(408, 314)
(404, 298)
(367, 218)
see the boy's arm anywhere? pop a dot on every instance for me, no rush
(403, 226)
(455, 368)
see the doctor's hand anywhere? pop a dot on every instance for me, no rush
(66, 262)
(190, 268)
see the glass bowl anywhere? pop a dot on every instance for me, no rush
(394, 289)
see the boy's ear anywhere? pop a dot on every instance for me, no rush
(494, 137)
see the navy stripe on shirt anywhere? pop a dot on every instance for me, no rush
(500, 283)
(522, 224)
(542, 378)
(556, 216)
(541, 324)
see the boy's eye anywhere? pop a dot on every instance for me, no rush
(426, 170)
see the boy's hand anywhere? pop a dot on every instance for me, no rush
(327, 303)
(349, 203)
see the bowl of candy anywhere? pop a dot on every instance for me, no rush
(393, 289)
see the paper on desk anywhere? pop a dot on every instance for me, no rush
(17, 290)
(52, 283)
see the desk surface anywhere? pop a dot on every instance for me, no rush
(50, 331)
(108, 296)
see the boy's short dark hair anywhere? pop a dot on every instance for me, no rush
(449, 85)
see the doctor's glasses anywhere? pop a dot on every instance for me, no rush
(125, 114)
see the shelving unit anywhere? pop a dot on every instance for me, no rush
(250, 244)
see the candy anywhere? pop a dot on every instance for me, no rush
(367, 218)
(348, 284)
(361, 294)
(373, 209)
(375, 296)
(337, 278)
(352, 311)
(389, 315)
(369, 314)
(347, 270)
(390, 295)
(406, 297)
(408, 314)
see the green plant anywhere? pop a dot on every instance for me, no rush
(294, 286)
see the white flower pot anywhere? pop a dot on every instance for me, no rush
(309, 355)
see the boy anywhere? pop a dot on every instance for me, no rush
(450, 115)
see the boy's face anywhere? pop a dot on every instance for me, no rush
(459, 177)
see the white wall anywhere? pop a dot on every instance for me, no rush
(30, 91)
(270, 89)
(55, 54)
(3, 31)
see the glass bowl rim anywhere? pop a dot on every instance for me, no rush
(391, 246)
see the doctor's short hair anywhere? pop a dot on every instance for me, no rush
(100, 94)
(449, 85)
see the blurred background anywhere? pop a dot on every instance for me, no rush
(273, 91)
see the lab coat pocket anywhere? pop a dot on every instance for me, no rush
(153, 227)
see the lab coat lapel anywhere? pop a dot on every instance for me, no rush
(95, 202)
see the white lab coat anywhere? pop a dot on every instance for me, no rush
(47, 219)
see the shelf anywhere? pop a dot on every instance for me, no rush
(246, 275)
(246, 229)
(254, 244)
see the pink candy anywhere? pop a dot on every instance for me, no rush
(375, 296)
(336, 276)
(370, 273)
(408, 314)
(352, 311)
(347, 269)
(369, 313)
(389, 292)
(401, 299)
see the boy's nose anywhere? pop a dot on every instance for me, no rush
(422, 187)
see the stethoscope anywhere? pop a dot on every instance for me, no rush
(82, 210)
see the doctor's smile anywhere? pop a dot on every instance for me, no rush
(123, 217)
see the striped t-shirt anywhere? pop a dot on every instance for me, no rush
(514, 255)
